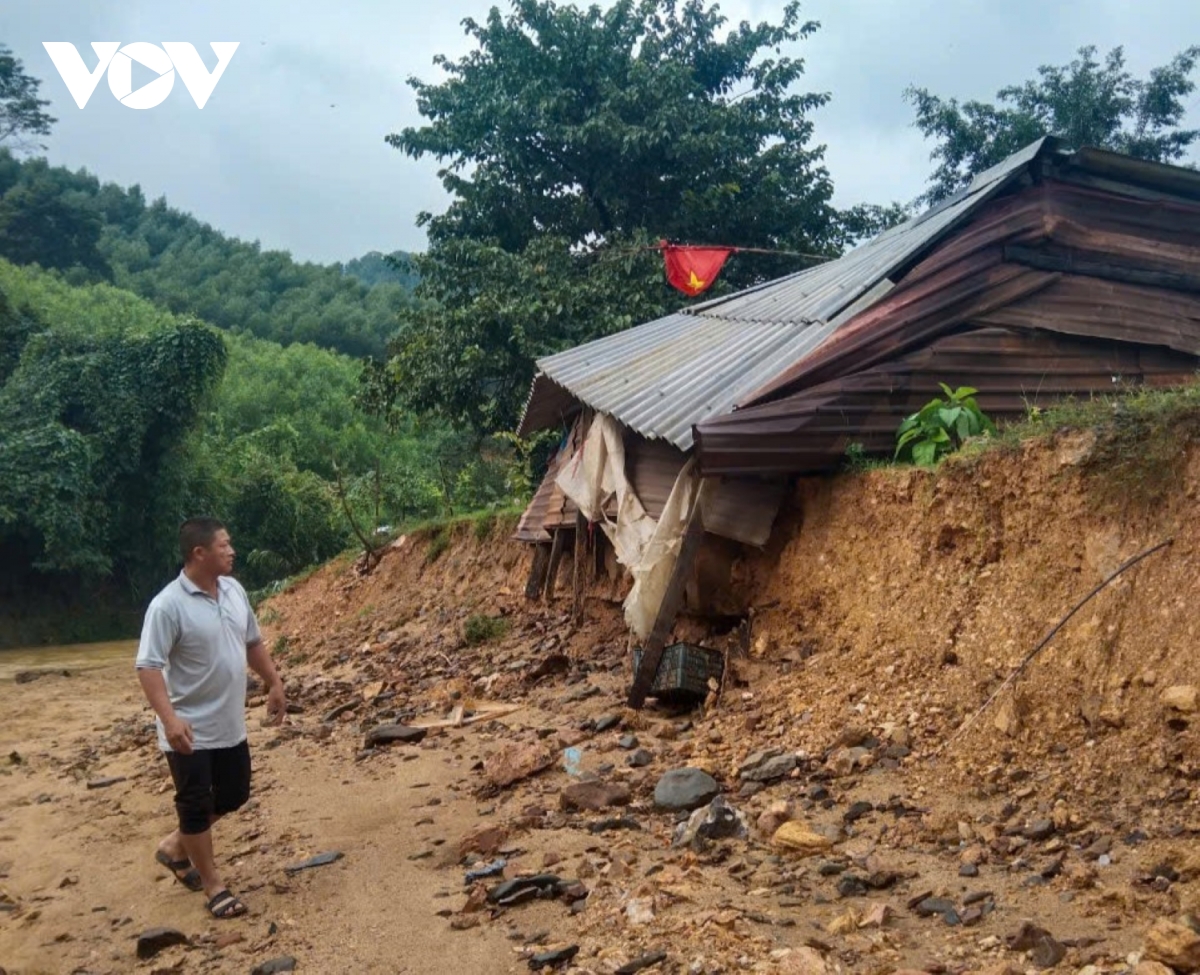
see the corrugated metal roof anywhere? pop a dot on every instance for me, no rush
(662, 378)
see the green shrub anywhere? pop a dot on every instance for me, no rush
(484, 629)
(941, 426)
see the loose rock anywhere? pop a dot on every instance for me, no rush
(632, 967)
(516, 762)
(594, 796)
(687, 788)
(717, 821)
(285, 963)
(542, 885)
(154, 940)
(1182, 697)
(105, 783)
(320, 860)
(765, 767)
(1175, 945)
(800, 839)
(776, 815)
(553, 959)
(387, 734)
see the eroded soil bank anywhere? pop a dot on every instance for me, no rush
(889, 607)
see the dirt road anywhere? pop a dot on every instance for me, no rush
(80, 882)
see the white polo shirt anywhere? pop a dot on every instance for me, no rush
(199, 643)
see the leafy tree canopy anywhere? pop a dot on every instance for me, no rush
(571, 141)
(69, 221)
(376, 268)
(22, 120)
(1086, 102)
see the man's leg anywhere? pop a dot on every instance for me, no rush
(194, 804)
(172, 843)
(230, 769)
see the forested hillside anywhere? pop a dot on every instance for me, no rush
(119, 418)
(91, 231)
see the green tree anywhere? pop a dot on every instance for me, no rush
(22, 120)
(45, 220)
(572, 141)
(67, 220)
(375, 268)
(90, 424)
(1086, 102)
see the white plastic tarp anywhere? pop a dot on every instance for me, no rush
(648, 548)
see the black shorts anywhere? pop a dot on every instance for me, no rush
(209, 783)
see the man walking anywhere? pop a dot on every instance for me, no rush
(199, 635)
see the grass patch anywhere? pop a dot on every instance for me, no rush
(439, 542)
(484, 629)
(1141, 439)
(483, 527)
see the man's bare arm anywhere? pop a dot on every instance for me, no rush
(178, 731)
(259, 659)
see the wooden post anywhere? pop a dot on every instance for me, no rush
(537, 573)
(577, 567)
(672, 600)
(556, 551)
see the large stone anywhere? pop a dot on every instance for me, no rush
(154, 940)
(1175, 945)
(1182, 697)
(1152, 968)
(800, 839)
(716, 821)
(516, 762)
(685, 788)
(594, 796)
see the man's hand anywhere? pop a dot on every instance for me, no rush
(179, 735)
(276, 703)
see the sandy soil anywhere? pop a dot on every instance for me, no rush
(78, 862)
(887, 609)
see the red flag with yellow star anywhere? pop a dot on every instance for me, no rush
(693, 269)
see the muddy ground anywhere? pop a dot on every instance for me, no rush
(875, 830)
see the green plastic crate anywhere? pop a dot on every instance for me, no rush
(684, 671)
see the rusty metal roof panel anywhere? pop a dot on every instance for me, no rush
(662, 378)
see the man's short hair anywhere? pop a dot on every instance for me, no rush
(197, 533)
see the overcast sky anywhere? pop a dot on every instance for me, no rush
(290, 148)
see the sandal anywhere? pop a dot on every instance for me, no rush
(190, 880)
(225, 905)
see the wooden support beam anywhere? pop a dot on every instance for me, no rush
(556, 551)
(537, 572)
(577, 566)
(1096, 266)
(672, 600)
